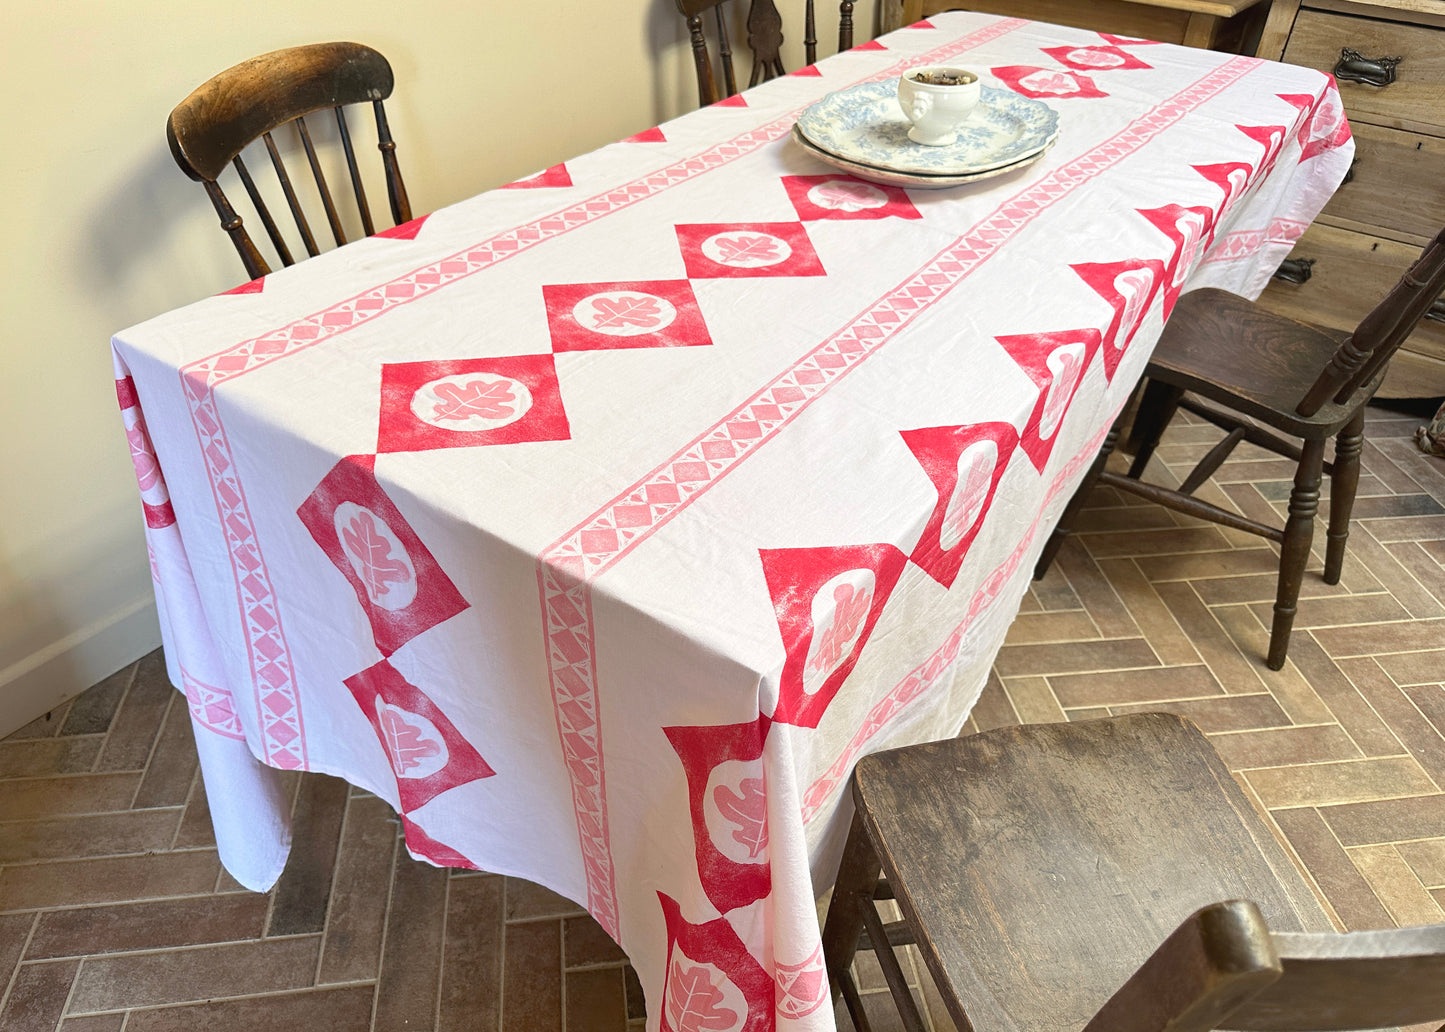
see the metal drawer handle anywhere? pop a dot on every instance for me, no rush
(1295, 270)
(1354, 66)
(1437, 311)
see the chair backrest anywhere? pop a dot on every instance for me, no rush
(211, 127)
(765, 40)
(1223, 968)
(1382, 330)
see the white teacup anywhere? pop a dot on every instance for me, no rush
(936, 110)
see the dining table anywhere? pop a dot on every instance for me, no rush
(599, 523)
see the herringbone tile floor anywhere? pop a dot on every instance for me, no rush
(115, 914)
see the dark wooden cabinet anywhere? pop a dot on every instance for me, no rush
(1394, 201)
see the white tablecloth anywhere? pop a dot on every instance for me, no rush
(601, 523)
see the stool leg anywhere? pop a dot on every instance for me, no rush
(1299, 529)
(857, 878)
(1344, 480)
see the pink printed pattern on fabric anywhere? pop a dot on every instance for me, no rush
(1096, 58)
(842, 197)
(1032, 81)
(729, 250)
(1130, 288)
(426, 753)
(211, 707)
(402, 590)
(827, 601)
(555, 176)
(1055, 362)
(713, 983)
(470, 403)
(728, 804)
(636, 314)
(965, 465)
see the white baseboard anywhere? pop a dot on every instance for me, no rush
(63, 669)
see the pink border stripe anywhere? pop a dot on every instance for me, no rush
(278, 707)
(595, 544)
(1246, 242)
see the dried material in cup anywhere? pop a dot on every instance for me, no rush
(936, 101)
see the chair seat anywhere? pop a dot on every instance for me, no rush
(1055, 858)
(1229, 349)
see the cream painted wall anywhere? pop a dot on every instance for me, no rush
(102, 231)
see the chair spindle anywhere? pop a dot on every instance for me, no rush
(395, 188)
(706, 85)
(302, 226)
(725, 52)
(272, 230)
(356, 186)
(235, 229)
(810, 34)
(845, 25)
(326, 202)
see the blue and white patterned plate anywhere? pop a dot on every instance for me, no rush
(865, 124)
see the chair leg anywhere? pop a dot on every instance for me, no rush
(1156, 409)
(1344, 479)
(1299, 529)
(857, 879)
(1065, 526)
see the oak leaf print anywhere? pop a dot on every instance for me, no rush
(641, 310)
(694, 1004)
(371, 556)
(141, 456)
(748, 250)
(845, 196)
(975, 476)
(1093, 58)
(413, 743)
(851, 609)
(748, 811)
(1044, 81)
(490, 400)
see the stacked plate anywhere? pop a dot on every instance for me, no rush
(862, 130)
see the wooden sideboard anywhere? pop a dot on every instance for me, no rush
(1217, 24)
(1394, 198)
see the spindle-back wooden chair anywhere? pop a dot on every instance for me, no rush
(1105, 876)
(1272, 376)
(765, 40)
(210, 128)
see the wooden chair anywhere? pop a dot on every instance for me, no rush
(1272, 376)
(209, 129)
(765, 40)
(1108, 876)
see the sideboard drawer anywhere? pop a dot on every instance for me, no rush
(1396, 183)
(1412, 99)
(1352, 272)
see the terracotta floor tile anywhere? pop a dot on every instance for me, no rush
(1428, 573)
(1406, 528)
(1223, 713)
(596, 1000)
(1386, 820)
(1121, 654)
(1067, 625)
(134, 728)
(1379, 607)
(1258, 587)
(1410, 726)
(526, 901)
(132, 980)
(173, 761)
(92, 712)
(1347, 890)
(1381, 562)
(1413, 668)
(585, 943)
(1377, 639)
(94, 1023)
(1275, 747)
(1123, 687)
(533, 975)
(1236, 673)
(1395, 505)
(994, 708)
(1149, 613)
(37, 996)
(1426, 858)
(304, 890)
(1408, 902)
(111, 880)
(406, 996)
(42, 756)
(1237, 562)
(471, 986)
(1094, 592)
(148, 926)
(318, 1010)
(30, 798)
(1054, 591)
(1354, 714)
(1347, 781)
(356, 917)
(47, 725)
(97, 834)
(14, 933)
(1033, 700)
(1165, 541)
